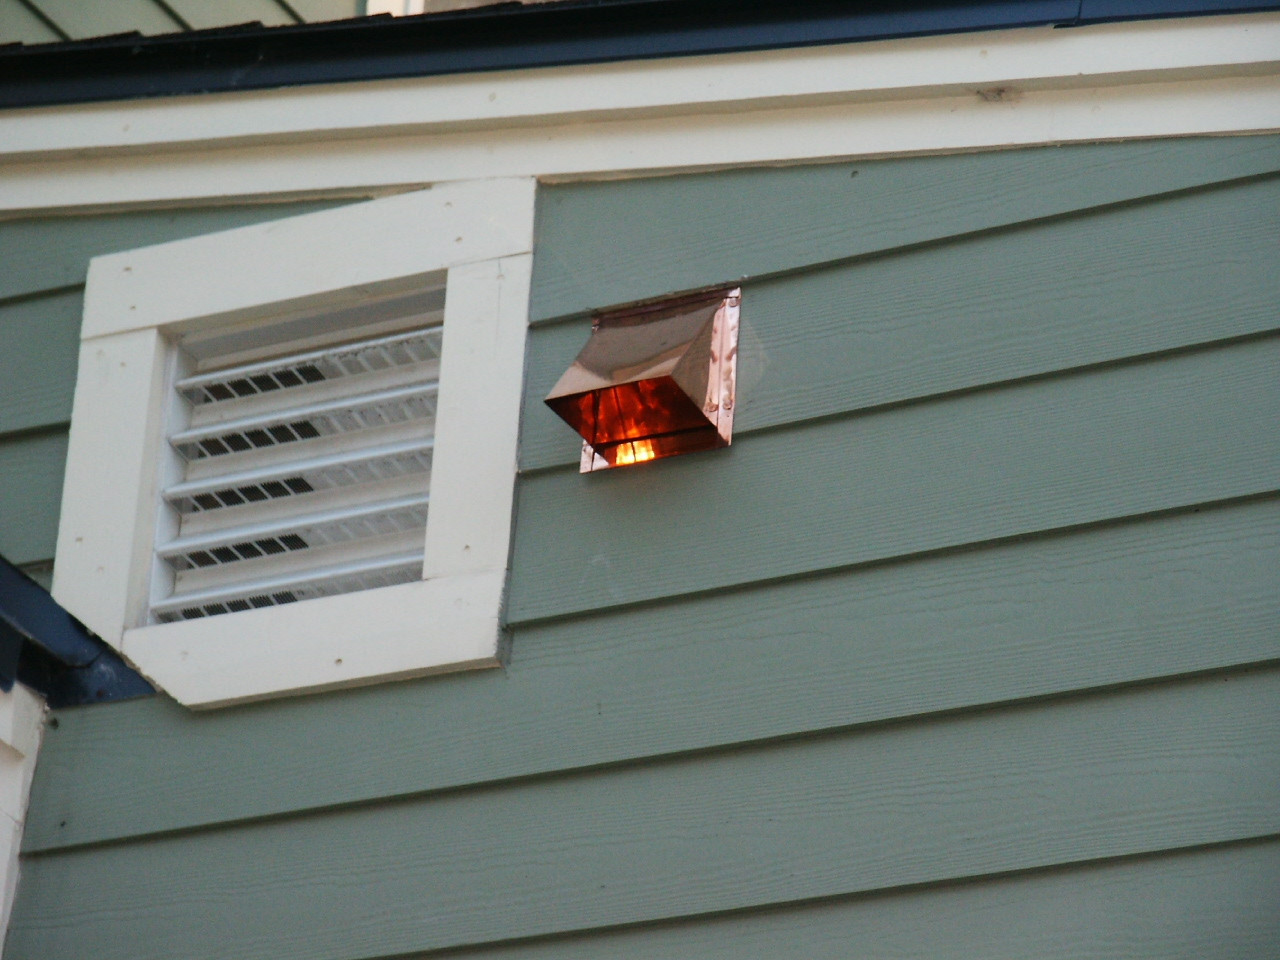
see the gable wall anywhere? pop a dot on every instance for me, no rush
(966, 647)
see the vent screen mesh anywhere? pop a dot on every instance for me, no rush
(303, 476)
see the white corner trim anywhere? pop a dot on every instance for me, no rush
(901, 69)
(21, 724)
(22, 715)
(480, 236)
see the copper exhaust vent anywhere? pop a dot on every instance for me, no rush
(654, 381)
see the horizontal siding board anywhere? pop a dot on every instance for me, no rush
(1150, 769)
(53, 252)
(31, 467)
(1183, 593)
(1087, 447)
(603, 243)
(1145, 909)
(1030, 300)
(39, 343)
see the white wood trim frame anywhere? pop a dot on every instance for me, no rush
(21, 728)
(481, 234)
(1203, 75)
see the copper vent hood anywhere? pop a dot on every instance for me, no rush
(654, 381)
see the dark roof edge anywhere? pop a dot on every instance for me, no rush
(512, 36)
(49, 650)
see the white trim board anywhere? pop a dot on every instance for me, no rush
(226, 276)
(897, 128)
(21, 729)
(968, 92)
(1042, 57)
(481, 235)
(440, 625)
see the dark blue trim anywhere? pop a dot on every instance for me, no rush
(1105, 11)
(511, 36)
(51, 651)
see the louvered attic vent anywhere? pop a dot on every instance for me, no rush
(301, 476)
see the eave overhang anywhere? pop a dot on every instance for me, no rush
(514, 36)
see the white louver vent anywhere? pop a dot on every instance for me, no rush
(302, 476)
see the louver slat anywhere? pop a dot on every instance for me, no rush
(341, 415)
(309, 421)
(314, 366)
(304, 585)
(291, 479)
(304, 476)
(297, 533)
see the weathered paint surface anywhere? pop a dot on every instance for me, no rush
(966, 647)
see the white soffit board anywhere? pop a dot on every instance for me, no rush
(1104, 53)
(627, 147)
(1182, 77)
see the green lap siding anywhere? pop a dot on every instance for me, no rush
(781, 822)
(1133, 601)
(605, 243)
(966, 647)
(39, 344)
(1103, 285)
(31, 493)
(1154, 435)
(1151, 908)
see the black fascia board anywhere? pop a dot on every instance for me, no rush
(514, 36)
(49, 650)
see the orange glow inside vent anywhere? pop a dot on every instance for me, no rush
(654, 381)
